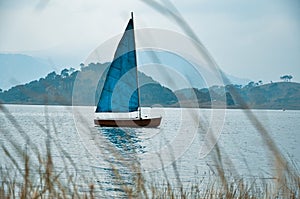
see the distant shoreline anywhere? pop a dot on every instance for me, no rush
(167, 107)
(84, 88)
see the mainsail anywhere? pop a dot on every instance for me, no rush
(120, 90)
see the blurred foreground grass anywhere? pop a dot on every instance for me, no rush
(41, 179)
(46, 182)
(28, 178)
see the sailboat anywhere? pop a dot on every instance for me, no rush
(121, 93)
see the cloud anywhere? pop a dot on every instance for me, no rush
(239, 35)
(41, 5)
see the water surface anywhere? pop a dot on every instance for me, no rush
(89, 151)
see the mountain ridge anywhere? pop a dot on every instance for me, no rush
(21, 68)
(58, 89)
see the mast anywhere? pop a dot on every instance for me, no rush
(137, 81)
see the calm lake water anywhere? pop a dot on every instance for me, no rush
(182, 138)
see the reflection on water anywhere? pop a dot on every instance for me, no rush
(123, 158)
(112, 152)
(125, 140)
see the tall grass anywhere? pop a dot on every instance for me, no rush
(29, 178)
(41, 179)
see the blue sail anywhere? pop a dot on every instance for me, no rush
(119, 93)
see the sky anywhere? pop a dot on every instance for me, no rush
(253, 39)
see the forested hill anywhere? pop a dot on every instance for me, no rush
(57, 89)
(278, 95)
